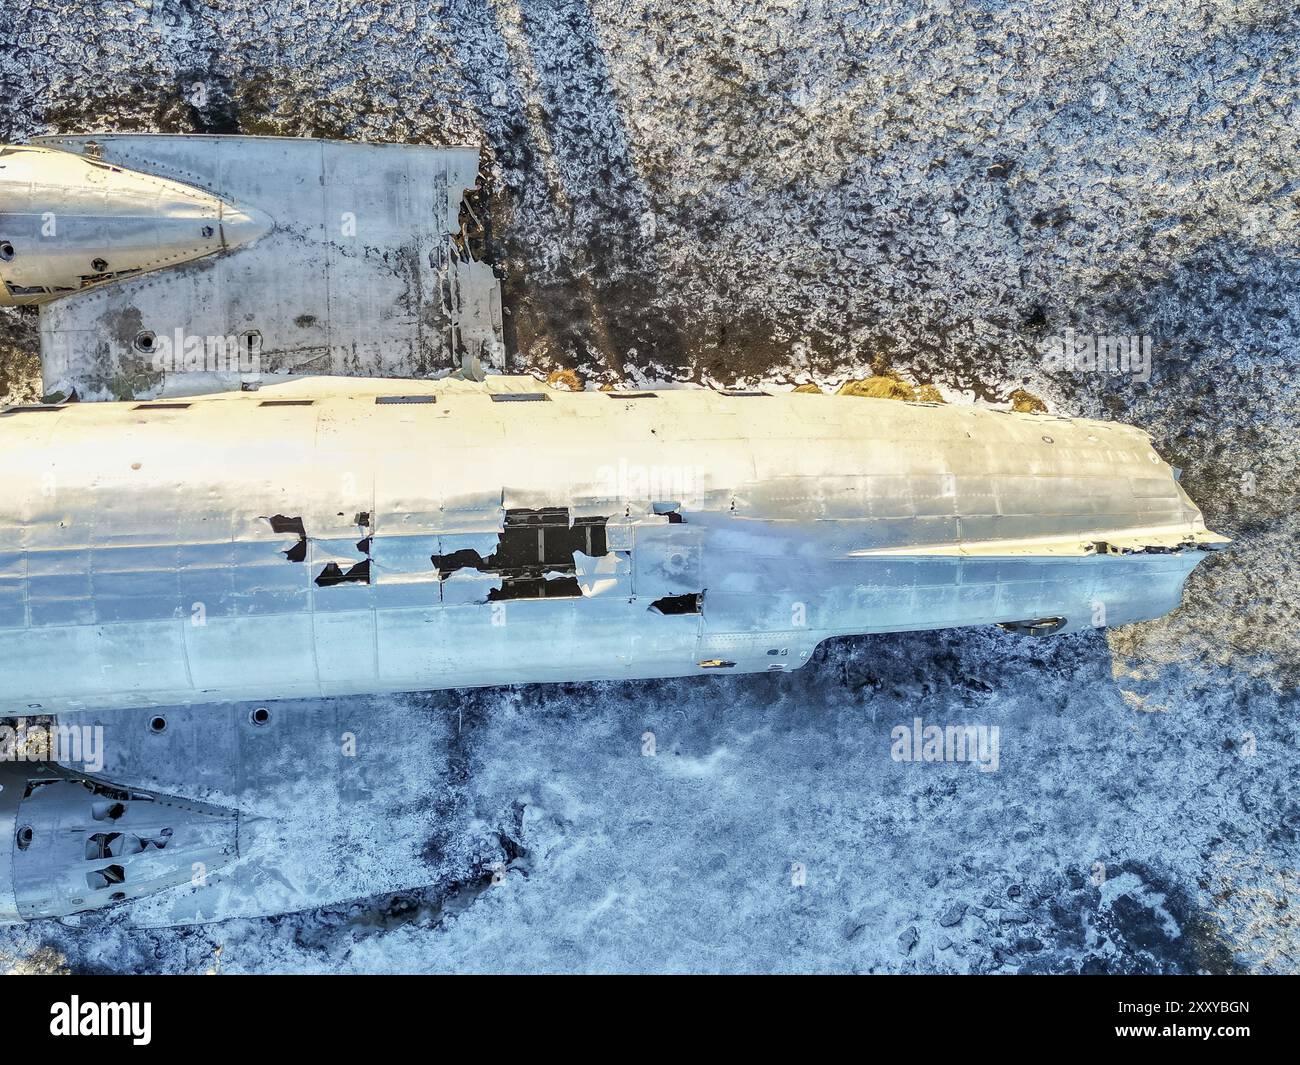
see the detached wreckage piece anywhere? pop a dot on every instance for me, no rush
(73, 842)
(202, 263)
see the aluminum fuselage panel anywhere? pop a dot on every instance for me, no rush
(140, 564)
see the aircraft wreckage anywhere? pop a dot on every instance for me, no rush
(275, 530)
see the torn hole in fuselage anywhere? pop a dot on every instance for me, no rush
(99, 879)
(332, 573)
(107, 811)
(534, 556)
(101, 845)
(691, 603)
(536, 588)
(358, 573)
(456, 560)
(282, 524)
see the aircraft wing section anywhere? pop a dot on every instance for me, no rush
(362, 272)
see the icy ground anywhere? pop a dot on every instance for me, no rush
(739, 192)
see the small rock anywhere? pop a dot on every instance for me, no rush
(880, 387)
(566, 380)
(1026, 403)
(908, 940)
(953, 914)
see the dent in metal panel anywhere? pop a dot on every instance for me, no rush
(206, 577)
(755, 611)
(403, 596)
(802, 498)
(61, 599)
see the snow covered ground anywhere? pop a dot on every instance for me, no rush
(735, 192)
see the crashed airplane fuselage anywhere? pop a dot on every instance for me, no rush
(333, 536)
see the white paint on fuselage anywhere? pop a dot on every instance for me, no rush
(138, 564)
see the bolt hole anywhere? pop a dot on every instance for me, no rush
(25, 836)
(1047, 440)
(260, 716)
(208, 231)
(158, 724)
(146, 340)
(100, 266)
(6, 250)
